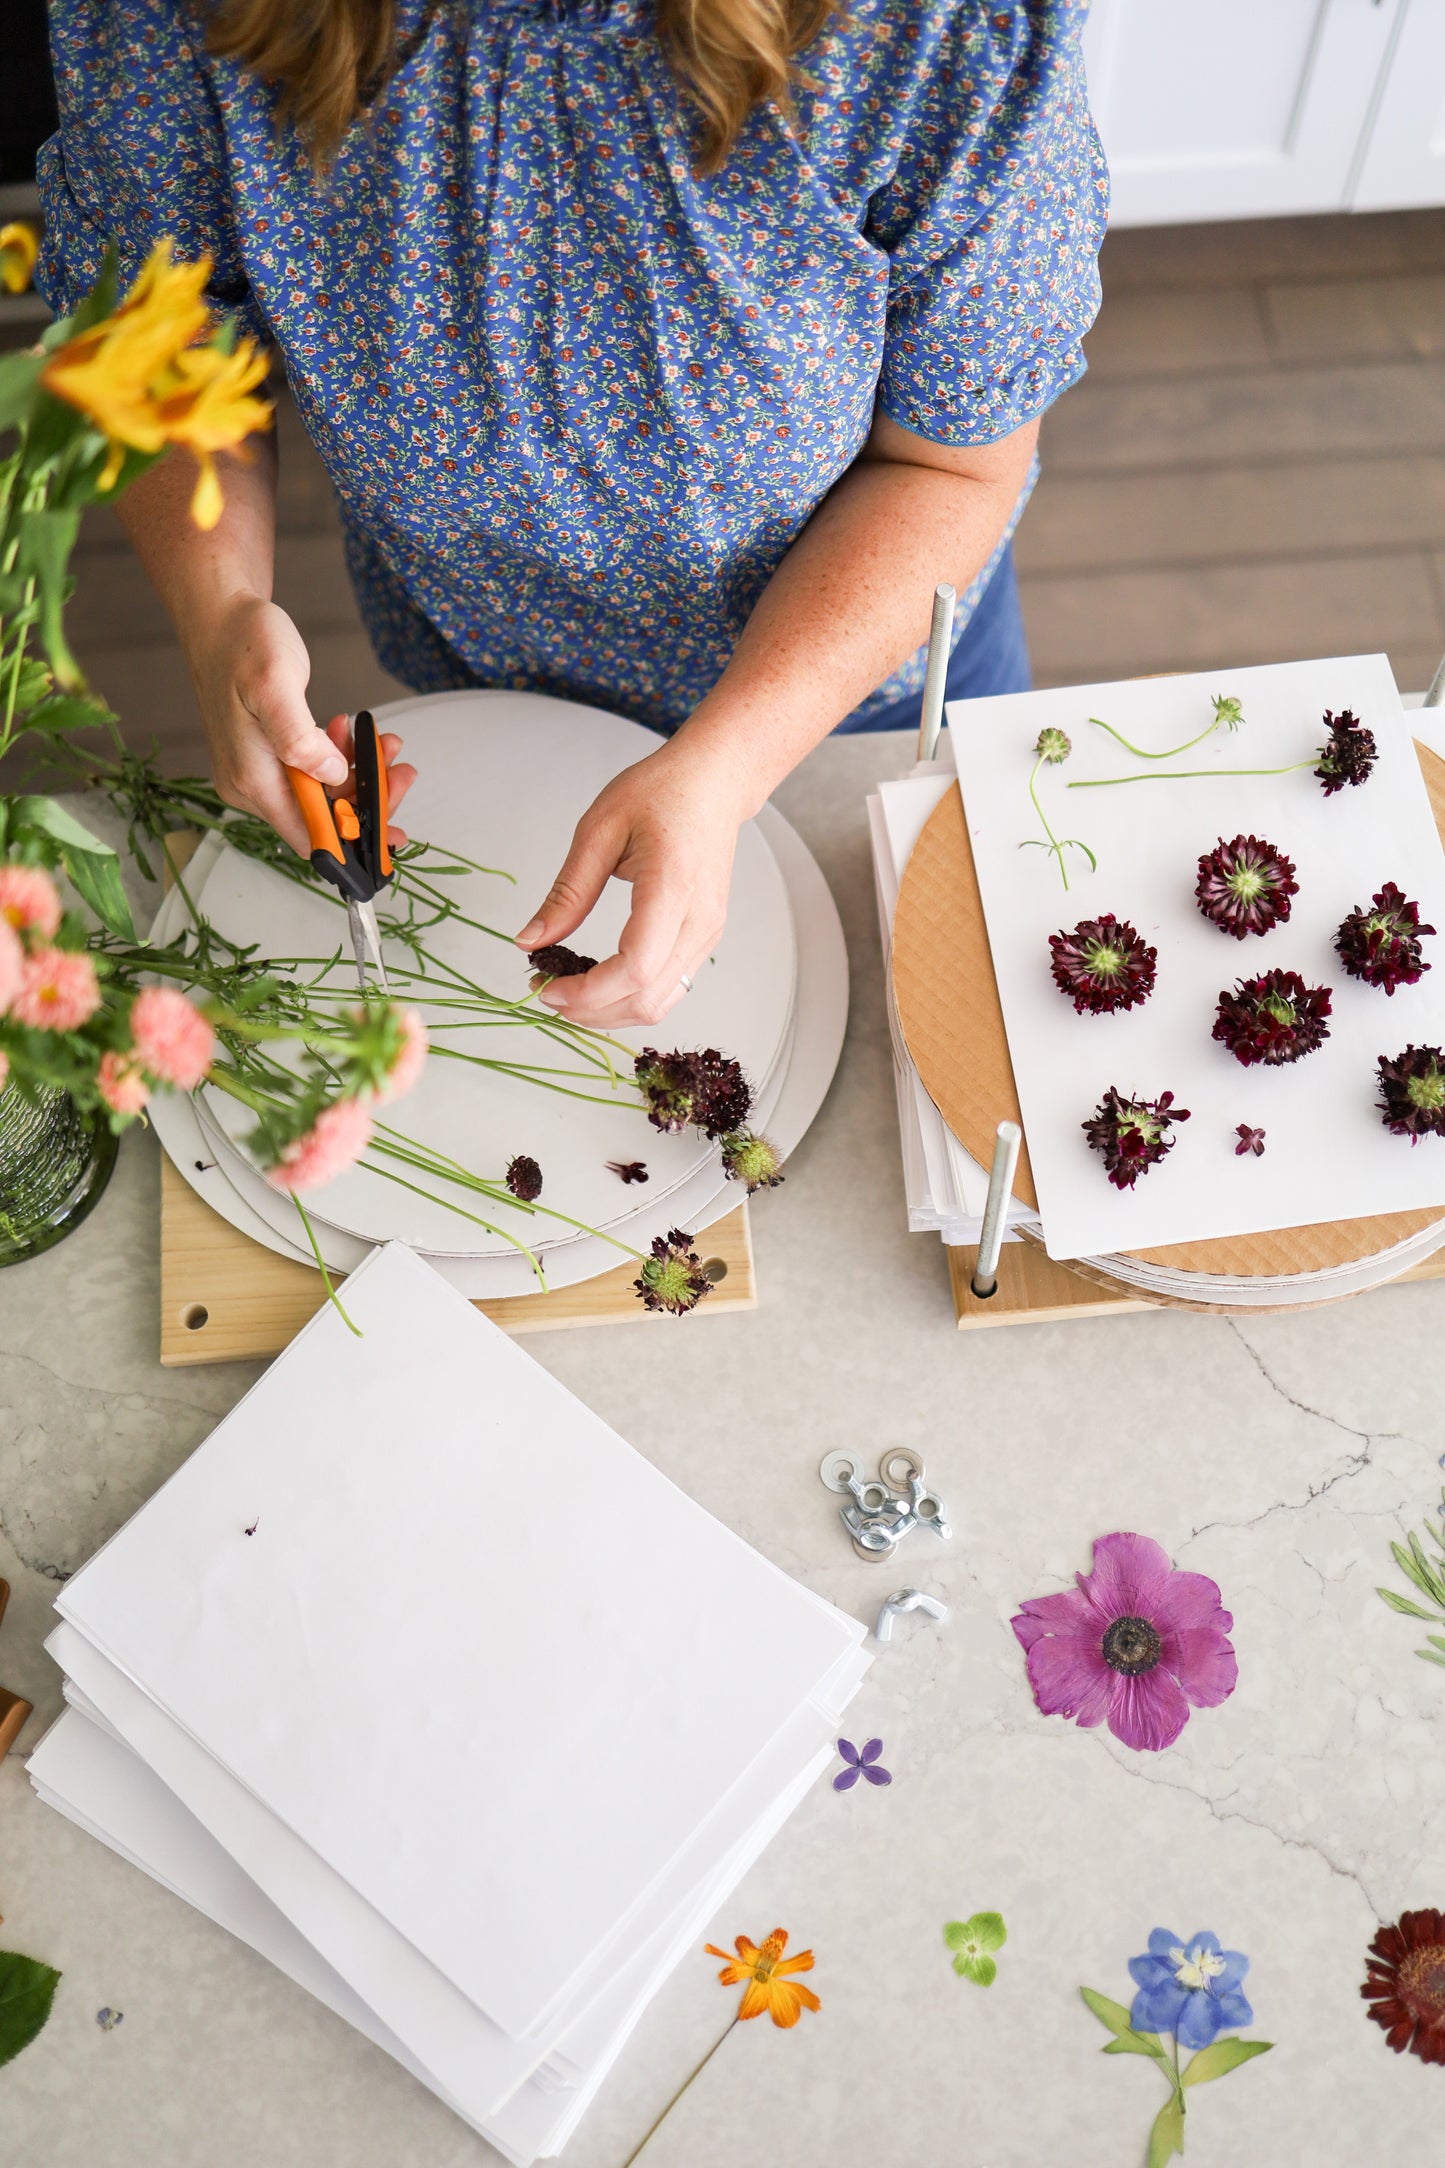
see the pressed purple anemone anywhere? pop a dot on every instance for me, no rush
(1104, 964)
(1382, 945)
(1135, 1643)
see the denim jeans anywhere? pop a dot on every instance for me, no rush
(991, 656)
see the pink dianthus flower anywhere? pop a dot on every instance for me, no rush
(58, 990)
(335, 1139)
(29, 901)
(121, 1084)
(171, 1038)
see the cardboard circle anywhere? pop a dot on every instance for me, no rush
(953, 1027)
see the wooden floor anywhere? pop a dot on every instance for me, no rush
(1254, 468)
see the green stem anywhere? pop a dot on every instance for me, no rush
(1141, 752)
(331, 1295)
(1183, 775)
(654, 2128)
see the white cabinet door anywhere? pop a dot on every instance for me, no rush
(1235, 108)
(1404, 160)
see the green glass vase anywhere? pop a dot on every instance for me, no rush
(54, 1165)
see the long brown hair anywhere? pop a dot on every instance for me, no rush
(330, 59)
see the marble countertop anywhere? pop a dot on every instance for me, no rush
(1280, 1455)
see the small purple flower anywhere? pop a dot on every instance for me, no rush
(1250, 1140)
(860, 1765)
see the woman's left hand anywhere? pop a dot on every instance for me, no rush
(669, 825)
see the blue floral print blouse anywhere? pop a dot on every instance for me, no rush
(576, 402)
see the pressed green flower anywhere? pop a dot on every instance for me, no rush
(974, 1942)
(1053, 745)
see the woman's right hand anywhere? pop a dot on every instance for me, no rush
(251, 671)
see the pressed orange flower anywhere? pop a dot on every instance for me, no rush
(145, 383)
(765, 1971)
(18, 250)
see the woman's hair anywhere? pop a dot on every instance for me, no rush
(330, 59)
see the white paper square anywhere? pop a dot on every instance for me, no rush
(479, 1655)
(1327, 1154)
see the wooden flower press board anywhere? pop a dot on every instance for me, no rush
(225, 1298)
(952, 1021)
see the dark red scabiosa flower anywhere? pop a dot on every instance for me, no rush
(1103, 964)
(524, 1179)
(724, 1097)
(1250, 1140)
(1132, 1134)
(1245, 886)
(1382, 945)
(706, 1089)
(1348, 753)
(557, 962)
(1273, 1019)
(751, 1160)
(628, 1170)
(1412, 1093)
(1405, 1984)
(672, 1278)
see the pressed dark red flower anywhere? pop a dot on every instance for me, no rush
(672, 1278)
(1273, 1019)
(1245, 886)
(1405, 1984)
(1412, 1093)
(1250, 1140)
(1348, 753)
(1103, 964)
(524, 1179)
(1382, 945)
(1132, 1134)
(556, 962)
(752, 1160)
(628, 1170)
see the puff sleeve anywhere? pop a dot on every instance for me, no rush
(991, 220)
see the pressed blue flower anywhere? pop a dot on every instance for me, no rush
(860, 1765)
(1188, 1988)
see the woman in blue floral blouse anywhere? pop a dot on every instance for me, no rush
(664, 355)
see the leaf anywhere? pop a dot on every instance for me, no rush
(987, 1930)
(96, 877)
(1112, 2014)
(92, 865)
(1403, 1603)
(19, 375)
(47, 537)
(68, 711)
(981, 1969)
(1220, 2057)
(1430, 1656)
(1167, 2137)
(27, 1989)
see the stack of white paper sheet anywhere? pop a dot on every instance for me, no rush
(423, 1683)
(944, 1185)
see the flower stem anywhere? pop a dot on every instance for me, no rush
(636, 2154)
(1055, 848)
(1182, 775)
(1141, 752)
(331, 1295)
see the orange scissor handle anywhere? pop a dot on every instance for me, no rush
(317, 814)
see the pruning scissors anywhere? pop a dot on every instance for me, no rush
(348, 843)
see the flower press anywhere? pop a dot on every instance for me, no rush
(1240, 949)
